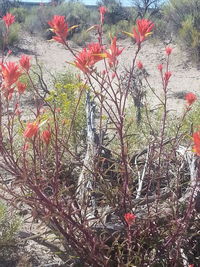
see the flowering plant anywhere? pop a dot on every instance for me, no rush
(95, 202)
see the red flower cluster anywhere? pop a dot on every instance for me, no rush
(88, 57)
(190, 98)
(139, 65)
(102, 11)
(168, 50)
(142, 30)
(160, 67)
(46, 136)
(168, 74)
(60, 28)
(21, 87)
(8, 19)
(129, 218)
(31, 129)
(25, 62)
(10, 73)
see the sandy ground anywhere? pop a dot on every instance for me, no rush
(185, 75)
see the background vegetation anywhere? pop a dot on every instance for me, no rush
(175, 20)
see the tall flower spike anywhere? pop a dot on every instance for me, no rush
(102, 11)
(9, 19)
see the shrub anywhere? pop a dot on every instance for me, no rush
(19, 13)
(76, 14)
(13, 36)
(190, 37)
(32, 24)
(81, 38)
(65, 98)
(130, 196)
(117, 29)
(116, 11)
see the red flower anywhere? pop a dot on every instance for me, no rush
(8, 19)
(168, 74)
(139, 65)
(88, 57)
(190, 98)
(168, 50)
(17, 110)
(25, 147)
(25, 62)
(21, 87)
(160, 67)
(46, 136)
(95, 49)
(129, 218)
(142, 30)
(60, 28)
(196, 140)
(113, 52)
(31, 129)
(83, 61)
(10, 73)
(102, 10)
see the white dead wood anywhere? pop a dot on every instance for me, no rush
(141, 175)
(191, 160)
(85, 181)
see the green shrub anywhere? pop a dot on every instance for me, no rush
(19, 13)
(32, 24)
(13, 36)
(176, 11)
(75, 14)
(117, 29)
(190, 37)
(81, 38)
(161, 30)
(66, 98)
